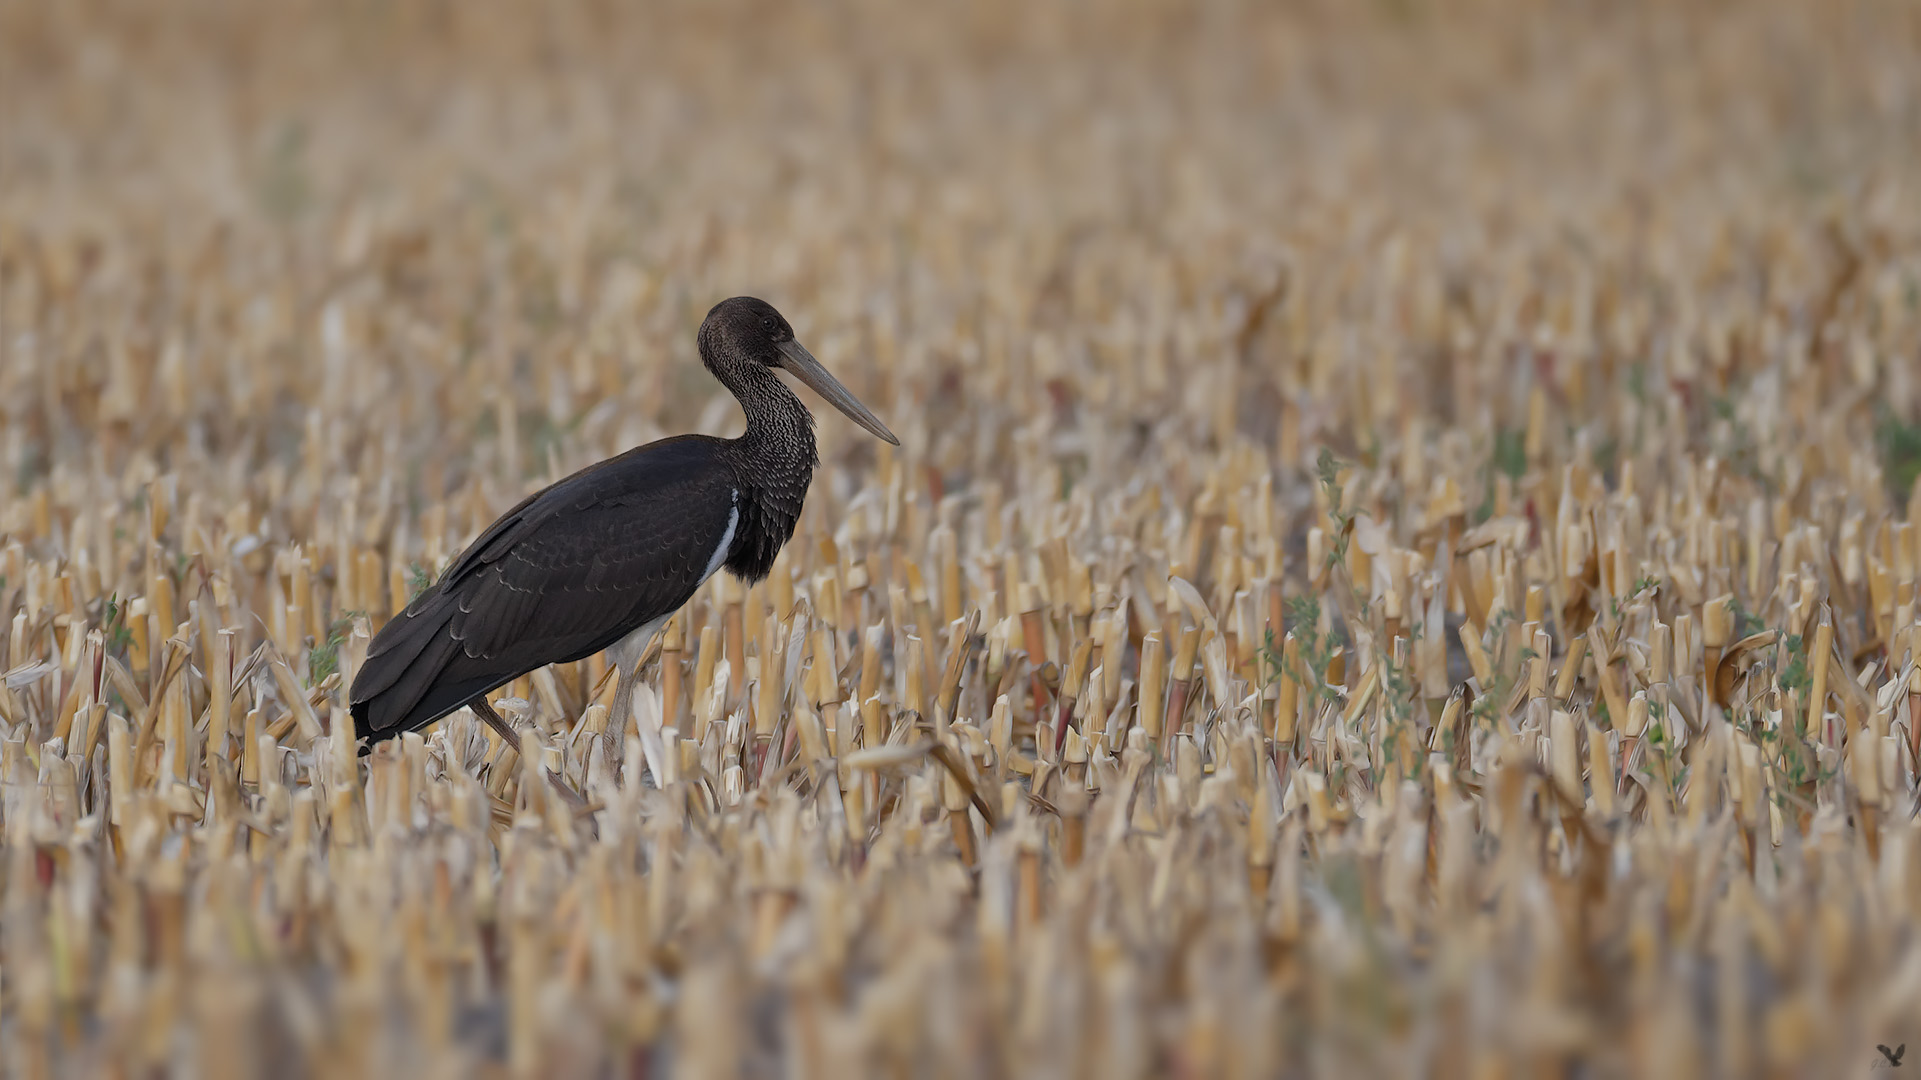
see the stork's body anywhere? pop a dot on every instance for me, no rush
(601, 559)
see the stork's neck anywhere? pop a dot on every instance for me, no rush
(773, 463)
(779, 441)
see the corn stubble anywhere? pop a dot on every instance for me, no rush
(1409, 574)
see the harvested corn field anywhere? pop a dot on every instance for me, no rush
(1401, 559)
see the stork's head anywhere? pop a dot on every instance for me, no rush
(746, 330)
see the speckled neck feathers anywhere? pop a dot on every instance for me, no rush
(774, 461)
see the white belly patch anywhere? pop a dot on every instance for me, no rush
(726, 540)
(626, 652)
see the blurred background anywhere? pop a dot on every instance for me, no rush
(492, 227)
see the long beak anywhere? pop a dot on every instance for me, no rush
(795, 358)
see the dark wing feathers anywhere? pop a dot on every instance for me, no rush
(418, 686)
(565, 574)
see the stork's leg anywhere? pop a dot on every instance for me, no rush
(485, 710)
(629, 655)
(623, 711)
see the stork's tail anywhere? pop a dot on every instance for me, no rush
(404, 682)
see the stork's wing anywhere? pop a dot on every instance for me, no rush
(567, 573)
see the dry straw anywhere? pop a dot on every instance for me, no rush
(1401, 560)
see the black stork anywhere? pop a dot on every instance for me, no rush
(600, 560)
